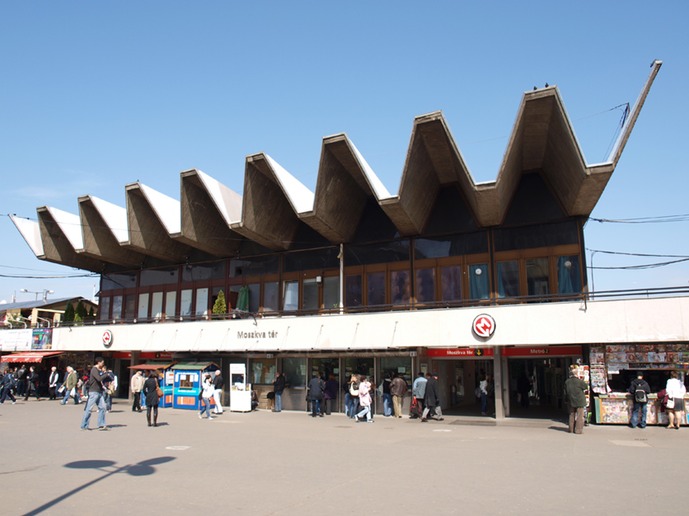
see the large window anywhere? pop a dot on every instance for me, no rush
(353, 291)
(104, 312)
(185, 307)
(331, 292)
(290, 296)
(537, 277)
(157, 304)
(171, 303)
(310, 287)
(270, 296)
(375, 288)
(143, 306)
(400, 287)
(568, 275)
(116, 308)
(479, 281)
(425, 285)
(508, 279)
(451, 283)
(201, 301)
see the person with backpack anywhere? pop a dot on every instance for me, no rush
(639, 389)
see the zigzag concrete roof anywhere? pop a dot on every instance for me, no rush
(278, 212)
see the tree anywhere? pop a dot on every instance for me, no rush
(92, 314)
(81, 310)
(69, 313)
(220, 305)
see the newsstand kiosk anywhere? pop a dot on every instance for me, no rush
(164, 379)
(187, 379)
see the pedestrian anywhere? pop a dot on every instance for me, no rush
(483, 394)
(53, 380)
(95, 398)
(206, 395)
(524, 388)
(109, 387)
(315, 395)
(352, 396)
(20, 380)
(675, 400)
(278, 388)
(8, 386)
(387, 396)
(575, 395)
(431, 399)
(418, 392)
(70, 385)
(364, 400)
(330, 394)
(136, 385)
(218, 384)
(398, 389)
(150, 390)
(32, 379)
(639, 389)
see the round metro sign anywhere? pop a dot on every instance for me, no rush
(483, 326)
(107, 338)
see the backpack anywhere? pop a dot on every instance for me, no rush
(640, 395)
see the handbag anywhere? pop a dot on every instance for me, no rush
(61, 389)
(159, 392)
(670, 403)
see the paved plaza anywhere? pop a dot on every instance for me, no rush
(264, 463)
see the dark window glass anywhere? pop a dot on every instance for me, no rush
(451, 282)
(104, 310)
(254, 266)
(400, 287)
(478, 281)
(152, 277)
(544, 235)
(396, 251)
(425, 285)
(353, 290)
(568, 275)
(312, 260)
(118, 281)
(376, 288)
(456, 245)
(203, 271)
(537, 277)
(508, 279)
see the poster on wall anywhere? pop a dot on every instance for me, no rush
(15, 340)
(42, 338)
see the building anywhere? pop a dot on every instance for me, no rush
(447, 275)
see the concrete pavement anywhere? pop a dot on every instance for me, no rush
(264, 463)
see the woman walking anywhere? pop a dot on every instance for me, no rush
(675, 400)
(206, 395)
(364, 400)
(152, 399)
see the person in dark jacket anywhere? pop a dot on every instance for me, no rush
(32, 379)
(431, 399)
(639, 389)
(316, 387)
(575, 395)
(152, 399)
(278, 387)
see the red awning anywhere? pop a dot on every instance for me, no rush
(29, 357)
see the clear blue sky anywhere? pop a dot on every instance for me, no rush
(95, 95)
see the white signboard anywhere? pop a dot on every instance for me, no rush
(15, 340)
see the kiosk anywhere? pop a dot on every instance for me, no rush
(187, 378)
(165, 379)
(240, 391)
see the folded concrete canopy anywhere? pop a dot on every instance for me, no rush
(277, 212)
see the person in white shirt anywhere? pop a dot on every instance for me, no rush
(675, 390)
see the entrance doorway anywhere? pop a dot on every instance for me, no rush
(536, 386)
(459, 380)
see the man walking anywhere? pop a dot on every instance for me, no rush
(418, 391)
(639, 389)
(575, 395)
(278, 387)
(398, 389)
(432, 399)
(95, 388)
(218, 384)
(8, 385)
(32, 379)
(136, 385)
(71, 386)
(52, 383)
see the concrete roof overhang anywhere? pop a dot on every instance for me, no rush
(213, 221)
